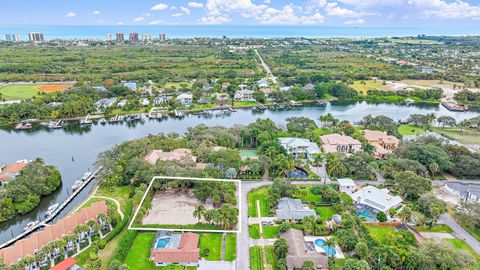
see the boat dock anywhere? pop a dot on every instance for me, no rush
(454, 107)
(57, 211)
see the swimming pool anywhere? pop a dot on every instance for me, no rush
(330, 251)
(297, 174)
(162, 242)
(368, 215)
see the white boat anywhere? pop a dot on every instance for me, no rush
(86, 175)
(51, 209)
(86, 121)
(77, 184)
(31, 225)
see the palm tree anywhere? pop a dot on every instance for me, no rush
(283, 164)
(199, 212)
(318, 159)
(368, 148)
(331, 243)
(334, 165)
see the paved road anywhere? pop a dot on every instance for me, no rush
(267, 69)
(459, 232)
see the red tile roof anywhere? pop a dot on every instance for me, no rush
(10, 171)
(27, 247)
(65, 264)
(187, 251)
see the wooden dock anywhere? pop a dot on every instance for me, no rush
(55, 213)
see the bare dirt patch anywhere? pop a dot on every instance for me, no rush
(54, 87)
(173, 207)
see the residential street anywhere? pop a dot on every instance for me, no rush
(459, 232)
(267, 69)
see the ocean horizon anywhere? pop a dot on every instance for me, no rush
(232, 31)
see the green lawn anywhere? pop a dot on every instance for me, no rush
(212, 242)
(254, 231)
(260, 194)
(19, 92)
(269, 232)
(138, 257)
(305, 194)
(379, 233)
(363, 86)
(245, 103)
(120, 193)
(461, 245)
(231, 247)
(325, 212)
(410, 130)
(437, 228)
(466, 136)
(256, 261)
(271, 258)
(248, 153)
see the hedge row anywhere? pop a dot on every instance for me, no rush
(125, 244)
(120, 226)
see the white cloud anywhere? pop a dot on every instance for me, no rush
(441, 9)
(288, 15)
(139, 19)
(195, 4)
(267, 1)
(146, 14)
(71, 14)
(177, 14)
(215, 19)
(119, 23)
(156, 22)
(218, 11)
(96, 12)
(185, 10)
(333, 9)
(355, 21)
(160, 6)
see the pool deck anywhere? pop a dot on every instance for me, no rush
(338, 254)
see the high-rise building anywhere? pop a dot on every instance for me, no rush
(146, 37)
(8, 37)
(35, 37)
(108, 37)
(133, 37)
(16, 37)
(162, 37)
(120, 37)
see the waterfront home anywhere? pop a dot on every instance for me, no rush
(346, 185)
(160, 100)
(298, 253)
(332, 143)
(243, 95)
(67, 264)
(225, 85)
(131, 85)
(206, 87)
(29, 247)
(263, 83)
(179, 154)
(377, 199)
(9, 172)
(267, 92)
(221, 98)
(145, 102)
(289, 209)
(285, 88)
(185, 99)
(181, 249)
(308, 87)
(204, 99)
(100, 88)
(243, 86)
(299, 148)
(384, 144)
(122, 103)
(104, 103)
(466, 191)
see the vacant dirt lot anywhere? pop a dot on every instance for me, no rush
(54, 87)
(172, 207)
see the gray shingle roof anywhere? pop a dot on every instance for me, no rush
(293, 209)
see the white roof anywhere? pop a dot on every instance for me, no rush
(184, 95)
(376, 198)
(346, 182)
(289, 142)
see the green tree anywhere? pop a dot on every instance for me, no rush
(309, 265)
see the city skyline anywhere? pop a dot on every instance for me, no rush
(249, 12)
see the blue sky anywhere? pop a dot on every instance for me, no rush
(266, 12)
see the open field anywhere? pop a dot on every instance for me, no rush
(260, 194)
(437, 228)
(466, 136)
(231, 247)
(461, 245)
(431, 83)
(325, 212)
(414, 41)
(305, 194)
(363, 86)
(212, 242)
(256, 262)
(26, 91)
(379, 233)
(410, 130)
(271, 258)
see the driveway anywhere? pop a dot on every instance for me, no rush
(460, 232)
(216, 265)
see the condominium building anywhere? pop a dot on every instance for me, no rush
(147, 37)
(133, 37)
(108, 37)
(35, 37)
(119, 37)
(162, 37)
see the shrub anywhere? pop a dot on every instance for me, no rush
(122, 224)
(93, 256)
(392, 212)
(205, 252)
(102, 243)
(381, 217)
(125, 244)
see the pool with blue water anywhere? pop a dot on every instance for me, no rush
(163, 242)
(330, 251)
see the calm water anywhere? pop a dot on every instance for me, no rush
(84, 143)
(238, 31)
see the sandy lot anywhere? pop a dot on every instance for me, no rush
(172, 207)
(54, 87)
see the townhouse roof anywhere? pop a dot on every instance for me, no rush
(65, 264)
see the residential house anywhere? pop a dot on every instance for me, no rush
(185, 99)
(225, 85)
(309, 87)
(206, 87)
(299, 148)
(104, 103)
(243, 95)
(298, 252)
(263, 83)
(243, 86)
(29, 247)
(289, 209)
(160, 100)
(67, 264)
(205, 99)
(122, 103)
(267, 92)
(100, 88)
(346, 185)
(9, 172)
(375, 198)
(285, 88)
(221, 98)
(181, 249)
(384, 144)
(145, 102)
(131, 85)
(466, 191)
(332, 143)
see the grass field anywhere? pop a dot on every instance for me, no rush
(269, 232)
(466, 136)
(379, 233)
(260, 194)
(138, 257)
(325, 212)
(305, 194)
(256, 261)
(26, 91)
(231, 247)
(245, 103)
(363, 86)
(120, 193)
(271, 258)
(461, 245)
(410, 130)
(437, 228)
(212, 242)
